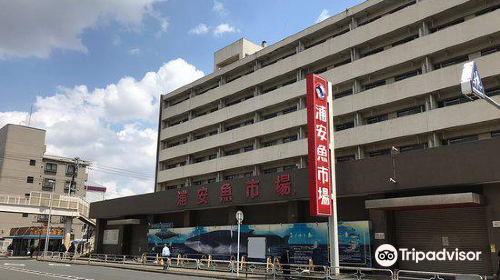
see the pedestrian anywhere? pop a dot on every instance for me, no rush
(497, 275)
(285, 263)
(165, 254)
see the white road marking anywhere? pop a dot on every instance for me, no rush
(60, 276)
(59, 264)
(14, 264)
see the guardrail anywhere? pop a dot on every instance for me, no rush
(79, 206)
(260, 269)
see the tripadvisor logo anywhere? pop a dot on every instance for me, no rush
(386, 255)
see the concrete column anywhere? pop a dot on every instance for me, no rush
(383, 222)
(492, 193)
(190, 115)
(192, 93)
(353, 24)
(390, 80)
(187, 219)
(358, 119)
(427, 65)
(431, 102)
(354, 54)
(356, 86)
(301, 103)
(293, 212)
(302, 162)
(300, 47)
(302, 133)
(475, 55)
(219, 177)
(257, 65)
(188, 182)
(190, 137)
(220, 129)
(222, 80)
(360, 152)
(256, 170)
(256, 144)
(300, 74)
(256, 117)
(434, 140)
(257, 91)
(220, 152)
(424, 30)
(222, 104)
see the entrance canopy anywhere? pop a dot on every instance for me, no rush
(426, 202)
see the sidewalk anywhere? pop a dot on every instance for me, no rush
(159, 269)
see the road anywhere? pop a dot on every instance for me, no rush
(11, 269)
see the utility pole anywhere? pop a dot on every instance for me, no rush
(75, 170)
(47, 233)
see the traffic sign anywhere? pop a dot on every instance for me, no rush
(239, 216)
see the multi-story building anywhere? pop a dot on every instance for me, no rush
(25, 168)
(395, 68)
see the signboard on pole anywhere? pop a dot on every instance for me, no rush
(318, 135)
(471, 82)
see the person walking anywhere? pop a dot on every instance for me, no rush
(497, 275)
(285, 263)
(165, 254)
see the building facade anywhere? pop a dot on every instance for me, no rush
(25, 168)
(414, 157)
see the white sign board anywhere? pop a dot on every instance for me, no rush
(496, 223)
(257, 247)
(379, 235)
(110, 236)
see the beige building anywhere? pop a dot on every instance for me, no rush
(25, 168)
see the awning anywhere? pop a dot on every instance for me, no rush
(426, 202)
(34, 237)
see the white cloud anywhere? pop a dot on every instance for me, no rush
(219, 8)
(36, 28)
(199, 29)
(224, 28)
(117, 40)
(113, 126)
(134, 51)
(324, 15)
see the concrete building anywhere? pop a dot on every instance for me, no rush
(25, 168)
(395, 68)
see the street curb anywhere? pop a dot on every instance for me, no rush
(187, 273)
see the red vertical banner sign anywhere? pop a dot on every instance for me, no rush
(318, 135)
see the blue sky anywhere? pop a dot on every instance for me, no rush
(76, 55)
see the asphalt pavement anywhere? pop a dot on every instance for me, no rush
(12, 269)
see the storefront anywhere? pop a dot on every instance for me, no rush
(29, 239)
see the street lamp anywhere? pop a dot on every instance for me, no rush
(239, 219)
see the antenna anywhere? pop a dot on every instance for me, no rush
(31, 112)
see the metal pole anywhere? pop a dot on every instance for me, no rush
(238, 253)
(332, 220)
(47, 233)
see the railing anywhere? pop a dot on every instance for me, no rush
(259, 269)
(42, 199)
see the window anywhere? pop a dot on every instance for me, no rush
(453, 101)
(410, 111)
(210, 157)
(450, 62)
(495, 134)
(42, 218)
(289, 110)
(270, 143)
(29, 180)
(413, 147)
(368, 53)
(377, 119)
(200, 159)
(344, 126)
(270, 170)
(290, 139)
(343, 94)
(270, 116)
(249, 122)
(493, 91)
(462, 139)
(407, 75)
(346, 158)
(247, 148)
(233, 152)
(48, 185)
(71, 170)
(27, 195)
(32, 162)
(405, 40)
(66, 187)
(231, 127)
(289, 167)
(230, 177)
(211, 180)
(248, 174)
(51, 167)
(375, 84)
(490, 50)
(25, 215)
(380, 153)
(197, 183)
